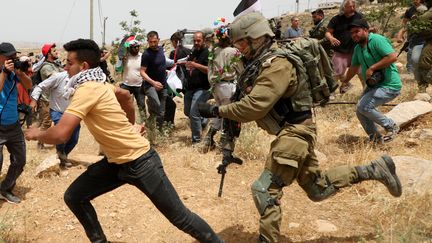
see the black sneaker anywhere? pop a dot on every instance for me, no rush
(10, 197)
(65, 164)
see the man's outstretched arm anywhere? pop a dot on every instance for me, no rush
(57, 134)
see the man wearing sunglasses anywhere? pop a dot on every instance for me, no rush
(132, 79)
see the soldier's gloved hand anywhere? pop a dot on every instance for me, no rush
(208, 111)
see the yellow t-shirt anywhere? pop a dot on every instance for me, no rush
(96, 104)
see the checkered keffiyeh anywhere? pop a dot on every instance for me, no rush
(94, 74)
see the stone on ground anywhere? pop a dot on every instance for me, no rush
(406, 112)
(50, 165)
(423, 97)
(415, 174)
(324, 226)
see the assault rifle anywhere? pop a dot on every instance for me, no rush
(232, 128)
(404, 47)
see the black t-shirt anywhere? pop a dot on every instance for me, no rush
(155, 63)
(339, 24)
(182, 52)
(198, 79)
(409, 13)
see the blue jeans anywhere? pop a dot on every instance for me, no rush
(367, 113)
(156, 103)
(147, 174)
(415, 59)
(409, 65)
(191, 100)
(67, 147)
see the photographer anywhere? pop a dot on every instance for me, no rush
(10, 129)
(376, 57)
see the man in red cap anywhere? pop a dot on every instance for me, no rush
(48, 68)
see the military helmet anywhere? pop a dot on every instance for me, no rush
(253, 25)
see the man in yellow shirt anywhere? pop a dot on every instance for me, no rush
(108, 113)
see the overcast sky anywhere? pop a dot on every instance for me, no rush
(59, 21)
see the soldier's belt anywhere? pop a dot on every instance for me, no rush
(301, 117)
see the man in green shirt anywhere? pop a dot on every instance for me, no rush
(376, 57)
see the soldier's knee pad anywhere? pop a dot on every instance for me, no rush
(260, 193)
(316, 192)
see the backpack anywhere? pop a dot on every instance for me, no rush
(312, 64)
(314, 75)
(36, 78)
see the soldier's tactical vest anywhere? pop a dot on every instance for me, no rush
(314, 82)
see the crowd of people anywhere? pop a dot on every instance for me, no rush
(79, 90)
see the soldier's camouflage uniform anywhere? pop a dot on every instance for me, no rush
(278, 97)
(291, 157)
(318, 32)
(425, 62)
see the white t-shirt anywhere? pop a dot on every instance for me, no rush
(131, 75)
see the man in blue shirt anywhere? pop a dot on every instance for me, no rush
(294, 31)
(10, 129)
(376, 57)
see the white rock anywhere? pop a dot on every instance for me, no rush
(423, 97)
(48, 165)
(415, 174)
(325, 226)
(426, 134)
(406, 112)
(293, 225)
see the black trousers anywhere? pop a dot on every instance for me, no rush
(170, 109)
(147, 174)
(12, 137)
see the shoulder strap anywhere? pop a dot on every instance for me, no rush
(318, 25)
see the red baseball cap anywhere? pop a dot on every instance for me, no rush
(46, 48)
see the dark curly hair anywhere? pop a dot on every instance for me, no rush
(87, 51)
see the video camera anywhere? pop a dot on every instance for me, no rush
(23, 66)
(377, 77)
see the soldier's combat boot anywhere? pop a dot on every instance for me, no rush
(384, 171)
(261, 239)
(208, 141)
